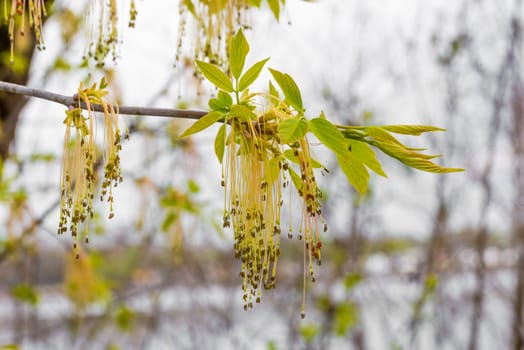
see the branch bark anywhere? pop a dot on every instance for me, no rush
(127, 110)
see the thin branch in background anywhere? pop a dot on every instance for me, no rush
(128, 110)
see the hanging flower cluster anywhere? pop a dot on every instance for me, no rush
(78, 180)
(257, 167)
(264, 151)
(262, 154)
(103, 31)
(214, 24)
(17, 13)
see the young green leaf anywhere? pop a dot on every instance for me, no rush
(329, 135)
(203, 123)
(225, 98)
(221, 103)
(238, 51)
(289, 154)
(241, 111)
(251, 74)
(273, 91)
(415, 130)
(413, 159)
(215, 76)
(273, 171)
(289, 88)
(220, 143)
(274, 5)
(363, 153)
(216, 105)
(355, 172)
(295, 178)
(190, 7)
(380, 134)
(332, 138)
(291, 130)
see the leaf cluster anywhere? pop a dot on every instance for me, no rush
(271, 144)
(353, 146)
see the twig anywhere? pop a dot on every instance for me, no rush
(128, 110)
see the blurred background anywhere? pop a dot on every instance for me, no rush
(424, 261)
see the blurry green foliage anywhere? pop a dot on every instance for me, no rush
(346, 317)
(271, 345)
(112, 346)
(25, 293)
(9, 347)
(351, 280)
(42, 157)
(125, 318)
(429, 287)
(309, 331)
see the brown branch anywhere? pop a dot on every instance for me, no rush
(128, 110)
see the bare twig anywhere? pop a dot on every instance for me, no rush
(71, 101)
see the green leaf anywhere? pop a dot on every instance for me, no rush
(238, 51)
(327, 133)
(203, 123)
(355, 172)
(255, 2)
(332, 138)
(215, 76)
(289, 154)
(289, 88)
(215, 105)
(274, 5)
(221, 103)
(364, 154)
(273, 171)
(295, 178)
(380, 134)
(273, 91)
(220, 140)
(190, 7)
(251, 74)
(415, 130)
(241, 111)
(413, 159)
(225, 98)
(291, 130)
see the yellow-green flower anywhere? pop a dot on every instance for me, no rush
(78, 180)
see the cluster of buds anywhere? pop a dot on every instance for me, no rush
(257, 167)
(263, 151)
(215, 23)
(104, 30)
(35, 11)
(132, 14)
(78, 173)
(78, 180)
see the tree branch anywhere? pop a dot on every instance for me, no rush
(128, 110)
